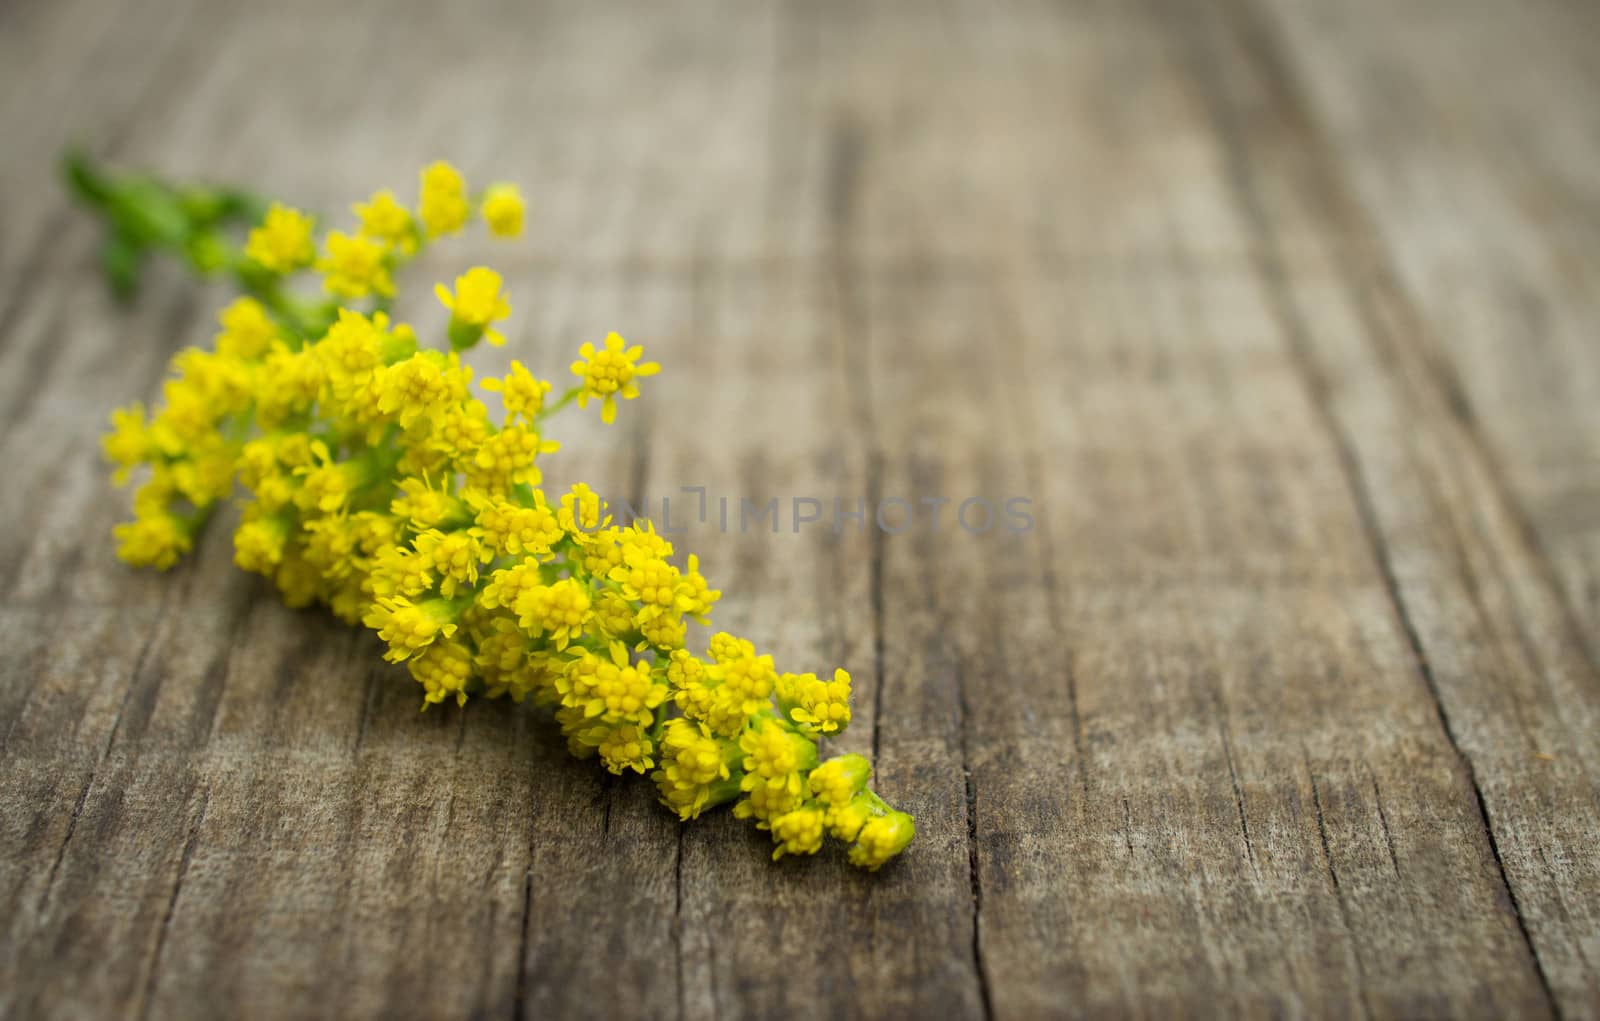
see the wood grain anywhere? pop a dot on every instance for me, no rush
(1277, 313)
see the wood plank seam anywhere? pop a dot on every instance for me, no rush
(1246, 22)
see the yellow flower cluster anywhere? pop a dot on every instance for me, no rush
(370, 479)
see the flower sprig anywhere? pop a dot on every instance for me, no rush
(371, 480)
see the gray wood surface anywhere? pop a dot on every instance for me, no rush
(1282, 312)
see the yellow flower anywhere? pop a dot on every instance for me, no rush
(654, 583)
(421, 386)
(694, 772)
(258, 543)
(459, 430)
(747, 682)
(399, 571)
(625, 746)
(152, 540)
(350, 355)
(129, 443)
(443, 208)
(614, 615)
(582, 510)
(444, 670)
(384, 219)
(298, 581)
(327, 486)
(424, 506)
(696, 597)
(766, 803)
(816, 707)
(330, 544)
(726, 648)
(376, 484)
(798, 832)
(514, 530)
(410, 627)
(452, 557)
(508, 585)
(838, 780)
(503, 209)
(355, 267)
(476, 303)
(612, 687)
(506, 459)
(881, 838)
(247, 330)
(609, 373)
(522, 394)
(282, 244)
(664, 631)
(775, 757)
(557, 611)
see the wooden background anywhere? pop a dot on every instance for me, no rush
(1282, 312)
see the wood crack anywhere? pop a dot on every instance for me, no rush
(1383, 821)
(1338, 888)
(105, 752)
(190, 843)
(974, 875)
(520, 1000)
(1052, 595)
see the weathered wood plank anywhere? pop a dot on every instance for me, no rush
(1280, 707)
(1493, 633)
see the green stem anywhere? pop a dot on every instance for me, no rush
(145, 214)
(561, 402)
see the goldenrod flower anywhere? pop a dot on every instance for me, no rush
(129, 443)
(775, 757)
(282, 244)
(410, 627)
(559, 611)
(511, 529)
(259, 542)
(612, 687)
(422, 505)
(844, 821)
(522, 394)
(625, 746)
(747, 681)
(503, 209)
(444, 670)
(763, 804)
(694, 773)
(838, 780)
(247, 330)
(354, 267)
(421, 386)
(726, 648)
(153, 540)
(507, 459)
(476, 303)
(798, 832)
(443, 207)
(582, 510)
(452, 557)
(663, 632)
(882, 838)
(652, 583)
(384, 219)
(377, 485)
(609, 373)
(818, 707)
